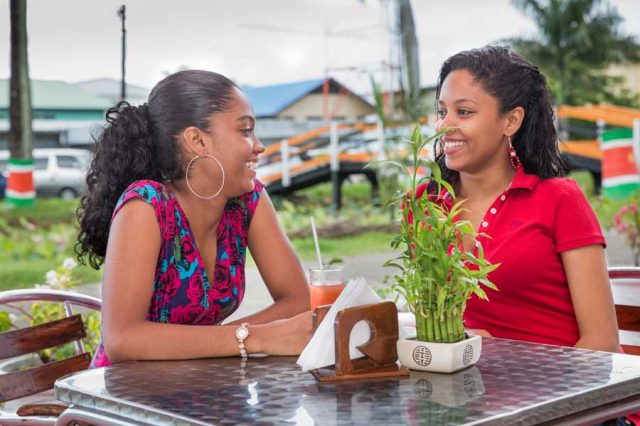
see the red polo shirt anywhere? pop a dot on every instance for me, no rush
(530, 224)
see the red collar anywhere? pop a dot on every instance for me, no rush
(524, 180)
(521, 180)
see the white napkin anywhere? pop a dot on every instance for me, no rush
(320, 351)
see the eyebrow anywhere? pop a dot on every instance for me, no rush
(459, 101)
(246, 117)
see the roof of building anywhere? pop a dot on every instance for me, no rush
(109, 89)
(57, 95)
(269, 101)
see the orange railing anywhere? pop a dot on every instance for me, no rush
(584, 148)
(285, 149)
(610, 114)
(275, 149)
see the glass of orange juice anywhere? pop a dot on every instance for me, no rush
(326, 285)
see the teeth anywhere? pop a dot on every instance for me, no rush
(453, 144)
(253, 165)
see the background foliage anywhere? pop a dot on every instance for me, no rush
(575, 43)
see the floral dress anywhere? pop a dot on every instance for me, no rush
(182, 291)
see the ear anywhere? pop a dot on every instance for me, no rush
(513, 121)
(192, 138)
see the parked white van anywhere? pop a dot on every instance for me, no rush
(56, 171)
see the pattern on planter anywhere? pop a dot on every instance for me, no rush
(467, 355)
(422, 355)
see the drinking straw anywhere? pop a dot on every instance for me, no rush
(315, 240)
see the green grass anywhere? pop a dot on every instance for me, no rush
(353, 193)
(373, 242)
(339, 248)
(24, 274)
(27, 273)
(43, 212)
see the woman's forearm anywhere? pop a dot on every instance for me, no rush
(285, 307)
(599, 342)
(156, 341)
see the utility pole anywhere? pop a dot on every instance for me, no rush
(123, 86)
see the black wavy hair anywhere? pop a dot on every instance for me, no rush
(514, 82)
(140, 142)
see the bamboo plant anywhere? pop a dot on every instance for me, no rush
(435, 275)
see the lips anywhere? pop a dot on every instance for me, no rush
(451, 146)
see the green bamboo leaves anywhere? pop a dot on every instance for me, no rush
(435, 275)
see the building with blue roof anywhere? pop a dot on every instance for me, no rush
(306, 100)
(290, 109)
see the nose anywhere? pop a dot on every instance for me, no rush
(449, 121)
(258, 147)
(444, 122)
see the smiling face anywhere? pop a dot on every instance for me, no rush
(232, 140)
(479, 143)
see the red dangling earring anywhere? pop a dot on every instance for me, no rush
(513, 157)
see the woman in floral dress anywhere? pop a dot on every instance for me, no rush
(172, 204)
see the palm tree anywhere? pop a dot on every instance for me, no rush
(20, 190)
(576, 41)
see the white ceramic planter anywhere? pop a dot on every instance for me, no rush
(439, 357)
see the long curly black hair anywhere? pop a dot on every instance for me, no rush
(514, 82)
(140, 142)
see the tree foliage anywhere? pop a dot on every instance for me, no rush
(575, 43)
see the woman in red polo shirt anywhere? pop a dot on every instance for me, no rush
(503, 159)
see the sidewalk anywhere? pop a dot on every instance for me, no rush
(370, 267)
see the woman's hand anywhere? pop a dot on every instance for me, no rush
(287, 336)
(478, 332)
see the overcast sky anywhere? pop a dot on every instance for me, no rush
(254, 42)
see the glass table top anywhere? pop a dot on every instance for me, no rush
(512, 383)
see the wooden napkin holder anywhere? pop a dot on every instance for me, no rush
(380, 351)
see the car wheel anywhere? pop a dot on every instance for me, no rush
(67, 194)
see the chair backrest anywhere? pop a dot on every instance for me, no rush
(32, 339)
(625, 282)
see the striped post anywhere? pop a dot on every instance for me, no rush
(20, 188)
(620, 173)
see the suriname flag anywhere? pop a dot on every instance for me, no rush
(20, 188)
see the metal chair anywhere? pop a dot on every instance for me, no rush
(35, 385)
(626, 279)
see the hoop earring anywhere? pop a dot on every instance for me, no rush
(186, 177)
(513, 156)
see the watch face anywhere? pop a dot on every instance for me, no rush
(242, 333)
